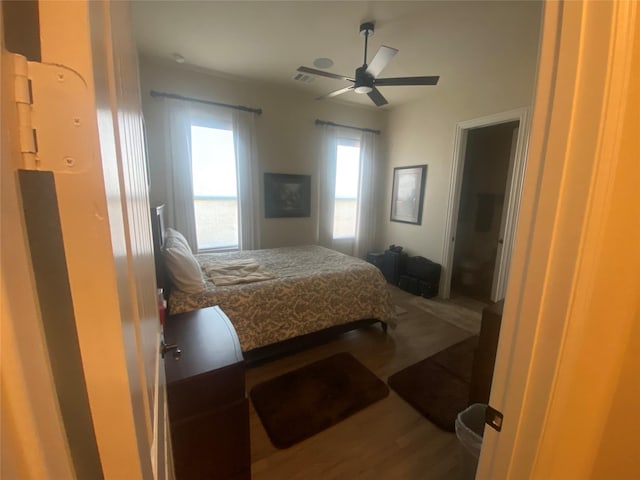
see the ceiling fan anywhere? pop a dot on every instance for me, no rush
(366, 80)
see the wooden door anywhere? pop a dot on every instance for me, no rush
(567, 363)
(84, 190)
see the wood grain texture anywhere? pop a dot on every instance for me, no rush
(208, 407)
(387, 440)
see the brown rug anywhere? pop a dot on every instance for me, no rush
(303, 402)
(438, 387)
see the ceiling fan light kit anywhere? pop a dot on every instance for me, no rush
(366, 80)
(363, 89)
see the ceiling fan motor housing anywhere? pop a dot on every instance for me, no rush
(364, 80)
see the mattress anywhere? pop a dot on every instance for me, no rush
(310, 288)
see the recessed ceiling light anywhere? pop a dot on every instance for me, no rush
(178, 58)
(323, 63)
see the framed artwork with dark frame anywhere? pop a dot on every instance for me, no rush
(408, 194)
(287, 195)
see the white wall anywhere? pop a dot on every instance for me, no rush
(415, 133)
(423, 132)
(288, 139)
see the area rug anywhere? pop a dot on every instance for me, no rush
(438, 386)
(303, 402)
(399, 310)
(461, 317)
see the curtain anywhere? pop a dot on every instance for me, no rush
(179, 185)
(179, 116)
(327, 185)
(248, 173)
(365, 219)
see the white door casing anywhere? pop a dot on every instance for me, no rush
(34, 443)
(503, 258)
(512, 197)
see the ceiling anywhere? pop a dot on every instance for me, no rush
(463, 42)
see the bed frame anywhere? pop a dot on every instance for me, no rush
(268, 352)
(157, 229)
(277, 350)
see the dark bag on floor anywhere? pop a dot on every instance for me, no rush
(423, 269)
(394, 264)
(427, 289)
(421, 276)
(409, 284)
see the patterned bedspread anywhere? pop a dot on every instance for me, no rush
(313, 288)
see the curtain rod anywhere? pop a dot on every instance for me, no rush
(175, 96)
(323, 122)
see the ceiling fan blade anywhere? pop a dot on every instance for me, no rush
(386, 82)
(335, 93)
(382, 58)
(321, 73)
(377, 97)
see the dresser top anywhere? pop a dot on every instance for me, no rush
(206, 339)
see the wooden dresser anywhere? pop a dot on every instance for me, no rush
(485, 356)
(208, 405)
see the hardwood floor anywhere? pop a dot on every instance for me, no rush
(387, 440)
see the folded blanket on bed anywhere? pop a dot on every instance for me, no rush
(238, 271)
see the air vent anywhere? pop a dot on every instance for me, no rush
(303, 77)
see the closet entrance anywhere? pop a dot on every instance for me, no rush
(486, 193)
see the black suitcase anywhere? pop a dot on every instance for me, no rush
(376, 259)
(393, 265)
(424, 269)
(409, 284)
(427, 289)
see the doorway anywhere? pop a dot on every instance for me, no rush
(479, 234)
(487, 173)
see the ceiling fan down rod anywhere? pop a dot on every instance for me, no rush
(366, 29)
(366, 38)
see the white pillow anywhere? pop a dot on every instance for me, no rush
(171, 234)
(183, 267)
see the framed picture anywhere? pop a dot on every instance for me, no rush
(408, 194)
(287, 195)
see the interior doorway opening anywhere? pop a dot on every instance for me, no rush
(479, 235)
(511, 129)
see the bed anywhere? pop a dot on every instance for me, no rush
(282, 299)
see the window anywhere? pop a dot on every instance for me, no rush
(215, 188)
(347, 184)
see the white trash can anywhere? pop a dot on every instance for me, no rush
(469, 429)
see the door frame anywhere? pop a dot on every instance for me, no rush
(34, 441)
(560, 366)
(102, 201)
(502, 263)
(513, 196)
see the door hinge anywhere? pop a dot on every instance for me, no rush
(493, 418)
(54, 114)
(23, 94)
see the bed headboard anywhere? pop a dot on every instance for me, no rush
(157, 229)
